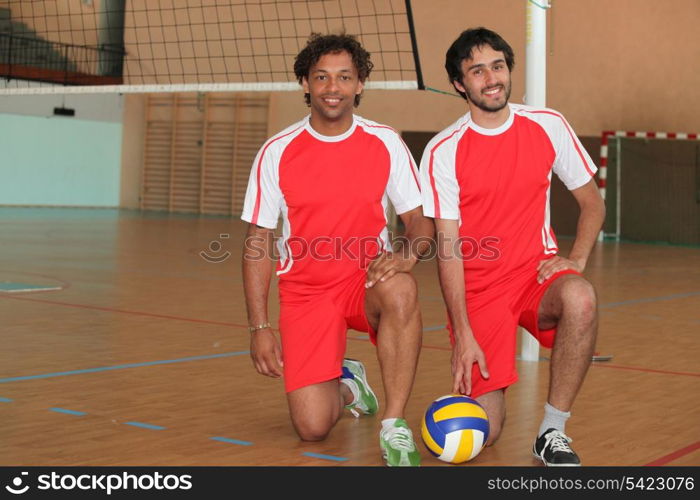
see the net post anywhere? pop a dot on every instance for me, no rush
(536, 93)
(414, 45)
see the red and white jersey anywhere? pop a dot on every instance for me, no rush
(332, 193)
(496, 182)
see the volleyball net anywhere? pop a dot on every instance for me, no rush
(98, 46)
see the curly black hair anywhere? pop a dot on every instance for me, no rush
(319, 45)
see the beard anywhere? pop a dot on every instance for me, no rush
(484, 104)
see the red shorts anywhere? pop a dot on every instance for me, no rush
(494, 316)
(314, 328)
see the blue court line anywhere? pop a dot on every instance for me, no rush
(122, 367)
(428, 329)
(145, 426)
(324, 457)
(68, 412)
(231, 441)
(610, 305)
(5, 400)
(615, 304)
(650, 299)
(435, 328)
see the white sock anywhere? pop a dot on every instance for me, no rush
(387, 423)
(553, 419)
(352, 385)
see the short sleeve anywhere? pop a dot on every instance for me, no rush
(573, 165)
(263, 196)
(440, 190)
(403, 187)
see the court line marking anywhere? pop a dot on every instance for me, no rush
(649, 299)
(239, 353)
(5, 400)
(622, 303)
(122, 367)
(648, 370)
(123, 311)
(435, 328)
(68, 412)
(602, 365)
(424, 346)
(223, 323)
(107, 309)
(231, 441)
(324, 457)
(675, 455)
(658, 462)
(145, 426)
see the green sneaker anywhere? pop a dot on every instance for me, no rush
(398, 446)
(355, 378)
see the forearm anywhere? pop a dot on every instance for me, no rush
(257, 274)
(256, 286)
(418, 236)
(451, 275)
(590, 222)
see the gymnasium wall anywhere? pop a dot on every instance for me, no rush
(60, 161)
(612, 65)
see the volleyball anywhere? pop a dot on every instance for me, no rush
(455, 428)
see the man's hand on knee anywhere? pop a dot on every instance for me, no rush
(386, 265)
(549, 267)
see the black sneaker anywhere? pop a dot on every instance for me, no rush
(553, 449)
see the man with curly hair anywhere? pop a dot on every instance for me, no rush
(331, 176)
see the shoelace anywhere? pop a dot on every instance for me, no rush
(558, 441)
(357, 404)
(401, 438)
(358, 401)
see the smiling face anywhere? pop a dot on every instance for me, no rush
(485, 80)
(332, 85)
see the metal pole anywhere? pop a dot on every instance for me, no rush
(536, 53)
(414, 46)
(535, 95)
(618, 188)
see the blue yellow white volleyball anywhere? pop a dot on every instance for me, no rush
(455, 428)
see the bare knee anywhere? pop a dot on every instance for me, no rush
(398, 295)
(315, 409)
(495, 428)
(495, 407)
(579, 299)
(312, 429)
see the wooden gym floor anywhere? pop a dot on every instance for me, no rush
(141, 356)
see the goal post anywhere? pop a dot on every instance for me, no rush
(613, 148)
